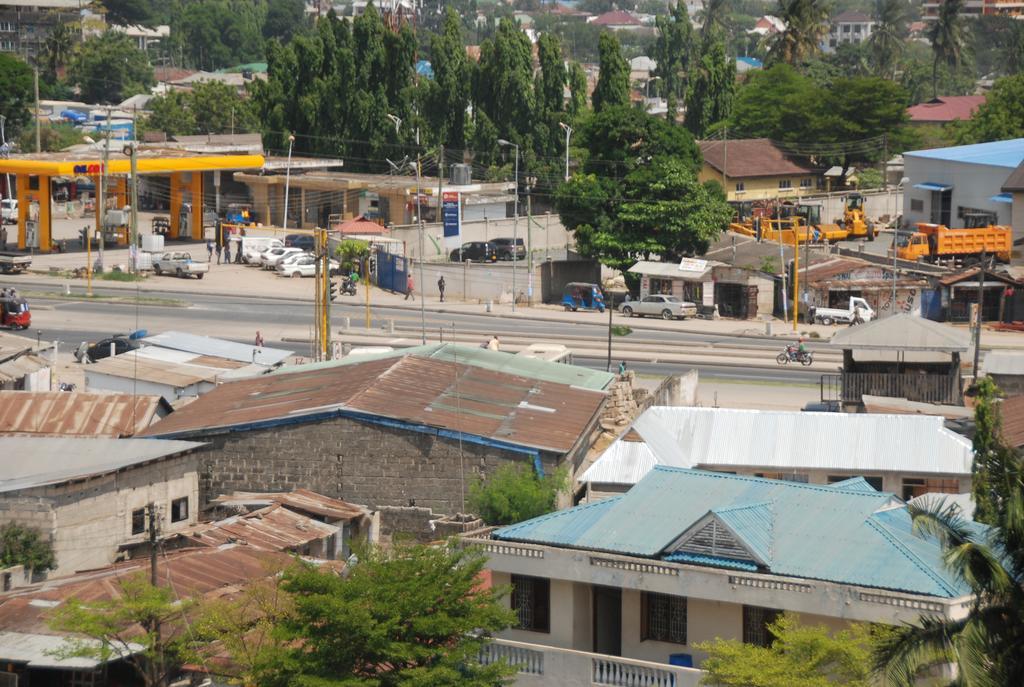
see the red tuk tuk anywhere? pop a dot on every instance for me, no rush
(14, 312)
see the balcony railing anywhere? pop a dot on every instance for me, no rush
(544, 665)
(853, 386)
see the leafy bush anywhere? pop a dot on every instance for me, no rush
(121, 276)
(515, 493)
(26, 546)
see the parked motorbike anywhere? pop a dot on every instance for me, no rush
(348, 287)
(793, 354)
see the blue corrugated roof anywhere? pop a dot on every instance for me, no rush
(802, 530)
(752, 61)
(711, 561)
(997, 153)
(854, 484)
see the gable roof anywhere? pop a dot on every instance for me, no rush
(846, 536)
(616, 18)
(39, 461)
(502, 408)
(1008, 153)
(273, 528)
(725, 438)
(59, 413)
(851, 17)
(1015, 182)
(752, 157)
(902, 332)
(946, 108)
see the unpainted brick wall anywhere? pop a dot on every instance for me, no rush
(356, 461)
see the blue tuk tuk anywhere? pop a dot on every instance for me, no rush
(582, 296)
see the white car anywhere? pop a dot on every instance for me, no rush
(270, 258)
(293, 258)
(181, 264)
(665, 307)
(9, 210)
(304, 266)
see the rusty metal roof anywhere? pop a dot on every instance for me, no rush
(144, 368)
(273, 528)
(17, 365)
(59, 413)
(302, 500)
(1011, 409)
(434, 393)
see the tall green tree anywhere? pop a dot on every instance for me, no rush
(1000, 117)
(713, 17)
(412, 615)
(450, 91)
(60, 42)
(986, 644)
(806, 25)
(16, 85)
(948, 36)
(20, 545)
(503, 93)
(217, 108)
(109, 68)
(549, 89)
(995, 462)
(673, 54)
(214, 34)
(888, 36)
(515, 493)
(284, 18)
(577, 90)
(612, 88)
(172, 114)
(712, 86)
(764, 100)
(916, 77)
(799, 656)
(128, 12)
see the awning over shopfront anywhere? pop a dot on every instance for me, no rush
(932, 186)
(687, 270)
(1002, 198)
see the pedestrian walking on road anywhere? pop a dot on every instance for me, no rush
(440, 286)
(218, 253)
(409, 286)
(227, 253)
(209, 250)
(494, 344)
(259, 339)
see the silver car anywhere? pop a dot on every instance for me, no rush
(665, 307)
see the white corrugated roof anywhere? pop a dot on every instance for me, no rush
(670, 269)
(903, 332)
(1004, 363)
(43, 651)
(723, 438)
(220, 348)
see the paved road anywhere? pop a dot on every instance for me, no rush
(238, 318)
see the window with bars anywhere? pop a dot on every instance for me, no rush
(138, 521)
(785, 183)
(531, 602)
(663, 617)
(755, 625)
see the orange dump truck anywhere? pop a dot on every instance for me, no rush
(935, 242)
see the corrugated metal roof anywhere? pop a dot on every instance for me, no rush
(902, 332)
(997, 153)
(498, 361)
(671, 269)
(432, 393)
(219, 348)
(17, 366)
(302, 500)
(37, 461)
(75, 414)
(723, 438)
(131, 365)
(1001, 362)
(1011, 410)
(40, 651)
(273, 528)
(813, 532)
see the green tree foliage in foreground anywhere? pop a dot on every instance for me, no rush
(515, 493)
(20, 545)
(994, 461)
(52, 137)
(16, 87)
(800, 656)
(210, 107)
(414, 615)
(136, 626)
(1000, 117)
(109, 68)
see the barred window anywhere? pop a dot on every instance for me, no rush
(663, 617)
(531, 598)
(755, 625)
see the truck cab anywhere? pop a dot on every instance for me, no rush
(912, 246)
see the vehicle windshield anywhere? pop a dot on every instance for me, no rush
(903, 241)
(855, 202)
(673, 299)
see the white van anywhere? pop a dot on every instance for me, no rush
(252, 246)
(9, 210)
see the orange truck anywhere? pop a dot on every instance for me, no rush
(935, 242)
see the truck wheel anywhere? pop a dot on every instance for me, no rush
(296, 275)
(871, 232)
(826, 321)
(178, 272)
(199, 276)
(157, 270)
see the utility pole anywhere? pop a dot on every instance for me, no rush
(326, 285)
(133, 250)
(39, 146)
(102, 192)
(608, 365)
(796, 278)
(977, 324)
(419, 220)
(153, 531)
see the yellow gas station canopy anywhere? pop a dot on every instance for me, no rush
(148, 162)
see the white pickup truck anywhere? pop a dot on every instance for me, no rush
(181, 264)
(858, 308)
(14, 262)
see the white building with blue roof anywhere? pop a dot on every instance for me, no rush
(687, 556)
(943, 184)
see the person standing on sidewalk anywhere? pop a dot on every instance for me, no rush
(218, 253)
(209, 250)
(409, 286)
(227, 253)
(440, 286)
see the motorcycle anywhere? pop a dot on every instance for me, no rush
(795, 355)
(348, 287)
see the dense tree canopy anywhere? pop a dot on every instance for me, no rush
(20, 545)
(211, 107)
(672, 54)
(515, 493)
(109, 68)
(1001, 116)
(612, 89)
(16, 85)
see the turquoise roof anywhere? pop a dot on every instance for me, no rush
(840, 533)
(996, 153)
(496, 361)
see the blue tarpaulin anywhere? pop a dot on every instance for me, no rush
(929, 186)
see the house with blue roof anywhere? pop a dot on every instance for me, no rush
(944, 184)
(687, 556)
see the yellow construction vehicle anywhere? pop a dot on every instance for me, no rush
(787, 219)
(936, 242)
(854, 221)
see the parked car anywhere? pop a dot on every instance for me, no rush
(270, 258)
(181, 264)
(291, 259)
(303, 241)
(504, 248)
(101, 349)
(475, 251)
(304, 266)
(856, 311)
(253, 246)
(9, 210)
(665, 307)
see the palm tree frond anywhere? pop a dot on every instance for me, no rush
(902, 655)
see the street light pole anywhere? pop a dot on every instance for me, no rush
(568, 133)
(287, 181)
(515, 222)
(419, 220)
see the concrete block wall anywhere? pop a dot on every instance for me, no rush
(352, 460)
